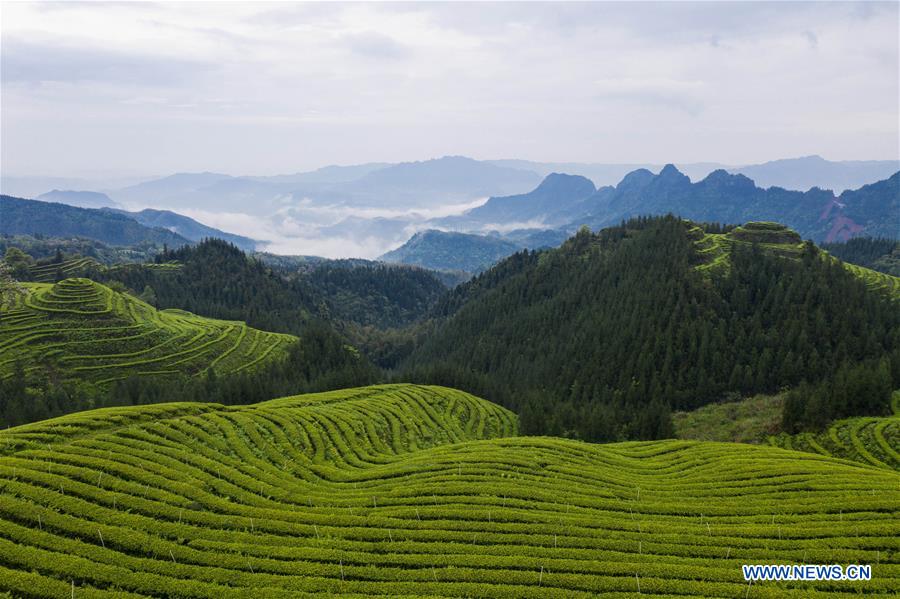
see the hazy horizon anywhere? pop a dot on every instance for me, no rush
(130, 178)
(143, 90)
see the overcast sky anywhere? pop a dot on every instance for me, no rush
(107, 89)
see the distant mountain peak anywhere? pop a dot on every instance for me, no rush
(670, 169)
(636, 178)
(671, 173)
(721, 177)
(81, 199)
(560, 182)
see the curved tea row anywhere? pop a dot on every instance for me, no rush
(47, 273)
(870, 440)
(875, 280)
(416, 491)
(86, 330)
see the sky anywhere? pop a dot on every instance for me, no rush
(110, 89)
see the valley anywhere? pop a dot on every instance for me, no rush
(449, 300)
(636, 410)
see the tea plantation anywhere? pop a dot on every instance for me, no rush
(870, 440)
(84, 330)
(408, 490)
(775, 238)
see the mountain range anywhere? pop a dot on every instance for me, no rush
(80, 199)
(557, 194)
(561, 204)
(444, 174)
(422, 184)
(31, 217)
(800, 174)
(365, 210)
(569, 202)
(188, 227)
(107, 225)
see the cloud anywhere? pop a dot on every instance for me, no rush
(678, 94)
(332, 231)
(30, 62)
(812, 38)
(258, 88)
(372, 44)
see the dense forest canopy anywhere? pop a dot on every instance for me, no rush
(878, 253)
(601, 338)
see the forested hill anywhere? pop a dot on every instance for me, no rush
(216, 279)
(602, 337)
(446, 250)
(877, 253)
(30, 217)
(187, 227)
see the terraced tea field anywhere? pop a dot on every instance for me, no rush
(868, 440)
(48, 273)
(80, 266)
(407, 490)
(714, 249)
(876, 280)
(87, 331)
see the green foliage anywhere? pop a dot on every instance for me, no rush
(81, 330)
(444, 250)
(870, 440)
(854, 390)
(18, 262)
(319, 361)
(878, 253)
(877, 281)
(750, 420)
(45, 247)
(375, 294)
(10, 289)
(600, 338)
(414, 491)
(217, 279)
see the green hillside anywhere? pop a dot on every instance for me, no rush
(876, 280)
(601, 338)
(83, 330)
(30, 217)
(749, 420)
(415, 491)
(87, 267)
(715, 250)
(451, 251)
(50, 272)
(870, 440)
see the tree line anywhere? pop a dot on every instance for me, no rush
(603, 337)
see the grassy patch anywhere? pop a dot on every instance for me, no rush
(750, 420)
